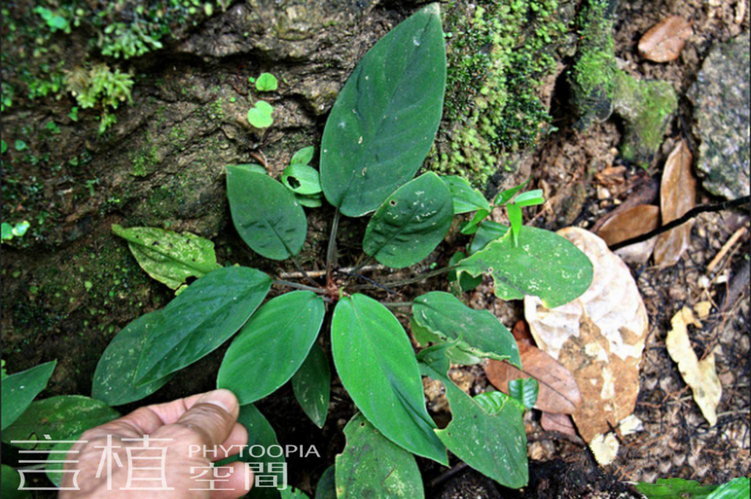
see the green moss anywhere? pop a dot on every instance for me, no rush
(498, 54)
(145, 161)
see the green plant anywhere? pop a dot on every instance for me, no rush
(378, 134)
(9, 231)
(259, 115)
(266, 82)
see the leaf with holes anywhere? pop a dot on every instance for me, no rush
(266, 215)
(301, 179)
(312, 385)
(20, 389)
(200, 319)
(386, 116)
(284, 328)
(410, 223)
(375, 361)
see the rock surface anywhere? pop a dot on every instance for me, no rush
(721, 113)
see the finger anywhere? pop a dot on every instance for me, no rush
(208, 422)
(236, 442)
(241, 476)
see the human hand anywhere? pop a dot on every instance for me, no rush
(173, 433)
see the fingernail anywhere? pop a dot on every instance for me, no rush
(223, 398)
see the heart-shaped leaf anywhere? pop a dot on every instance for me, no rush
(167, 256)
(115, 375)
(544, 264)
(259, 116)
(385, 118)
(375, 361)
(465, 198)
(284, 328)
(266, 215)
(200, 319)
(410, 223)
(372, 466)
(312, 385)
(266, 82)
(20, 389)
(477, 332)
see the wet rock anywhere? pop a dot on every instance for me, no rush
(721, 114)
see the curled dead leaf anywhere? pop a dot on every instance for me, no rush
(561, 423)
(677, 196)
(599, 338)
(665, 40)
(701, 376)
(558, 390)
(632, 223)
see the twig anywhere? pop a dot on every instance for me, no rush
(304, 272)
(281, 282)
(412, 280)
(321, 273)
(331, 250)
(725, 248)
(261, 158)
(397, 304)
(692, 213)
(447, 474)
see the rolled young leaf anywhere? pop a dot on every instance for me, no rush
(410, 223)
(115, 375)
(312, 385)
(19, 390)
(266, 215)
(477, 332)
(373, 466)
(385, 118)
(200, 319)
(375, 361)
(544, 264)
(272, 346)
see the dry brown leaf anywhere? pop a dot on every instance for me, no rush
(665, 40)
(558, 391)
(701, 376)
(677, 196)
(702, 309)
(632, 223)
(599, 338)
(561, 423)
(521, 333)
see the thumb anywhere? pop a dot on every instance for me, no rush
(209, 421)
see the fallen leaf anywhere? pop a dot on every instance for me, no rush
(665, 40)
(677, 196)
(611, 175)
(701, 376)
(629, 224)
(521, 333)
(599, 338)
(558, 391)
(605, 448)
(702, 309)
(561, 423)
(630, 425)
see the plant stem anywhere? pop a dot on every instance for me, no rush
(303, 272)
(331, 251)
(411, 280)
(296, 285)
(361, 266)
(397, 304)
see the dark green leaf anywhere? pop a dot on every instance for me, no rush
(293, 493)
(301, 179)
(544, 265)
(20, 389)
(251, 167)
(472, 226)
(410, 223)
(200, 319)
(487, 231)
(465, 282)
(11, 481)
(505, 196)
(669, 488)
(167, 256)
(524, 390)
(303, 157)
(477, 332)
(265, 213)
(272, 346)
(326, 488)
(62, 418)
(377, 366)
(372, 466)
(386, 116)
(115, 375)
(312, 385)
(491, 441)
(466, 199)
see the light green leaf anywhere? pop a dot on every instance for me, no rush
(505, 196)
(293, 493)
(477, 332)
(251, 167)
(738, 488)
(301, 179)
(473, 225)
(524, 390)
(487, 231)
(410, 223)
(266, 82)
(259, 116)
(376, 364)
(7, 233)
(465, 282)
(492, 440)
(384, 121)
(63, 417)
(515, 221)
(3, 146)
(284, 328)
(309, 201)
(372, 466)
(167, 256)
(466, 198)
(326, 488)
(266, 214)
(21, 228)
(312, 386)
(670, 488)
(115, 375)
(303, 157)
(544, 265)
(530, 198)
(11, 481)
(20, 389)
(200, 319)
